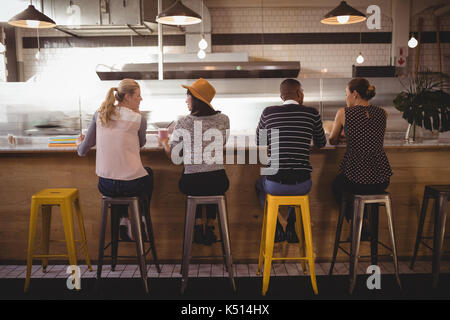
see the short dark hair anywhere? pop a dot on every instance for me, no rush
(289, 87)
(365, 90)
(200, 108)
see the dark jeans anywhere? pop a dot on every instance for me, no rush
(210, 183)
(341, 184)
(264, 186)
(141, 187)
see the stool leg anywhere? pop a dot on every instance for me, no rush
(263, 240)
(358, 212)
(272, 212)
(79, 214)
(226, 241)
(67, 215)
(151, 239)
(301, 237)
(373, 221)
(337, 239)
(46, 221)
(137, 233)
(309, 244)
(390, 219)
(423, 213)
(31, 235)
(115, 225)
(439, 231)
(188, 235)
(101, 242)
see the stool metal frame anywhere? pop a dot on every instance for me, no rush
(133, 204)
(441, 196)
(358, 213)
(303, 223)
(191, 205)
(66, 199)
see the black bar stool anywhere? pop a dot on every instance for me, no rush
(441, 195)
(191, 205)
(360, 201)
(136, 229)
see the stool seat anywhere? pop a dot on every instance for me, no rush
(191, 205)
(56, 194)
(133, 205)
(438, 190)
(45, 199)
(303, 218)
(441, 195)
(359, 203)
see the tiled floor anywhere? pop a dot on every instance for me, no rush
(212, 270)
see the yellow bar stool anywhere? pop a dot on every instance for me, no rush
(45, 199)
(303, 223)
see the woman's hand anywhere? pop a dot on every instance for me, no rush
(80, 139)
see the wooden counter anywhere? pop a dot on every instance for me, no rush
(24, 173)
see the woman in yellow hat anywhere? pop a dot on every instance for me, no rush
(203, 175)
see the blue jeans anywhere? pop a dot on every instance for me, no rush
(141, 187)
(264, 186)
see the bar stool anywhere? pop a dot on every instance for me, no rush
(115, 225)
(359, 202)
(46, 199)
(133, 204)
(441, 196)
(191, 205)
(301, 204)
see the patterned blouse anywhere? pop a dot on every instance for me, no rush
(365, 161)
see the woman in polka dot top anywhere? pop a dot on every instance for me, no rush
(365, 167)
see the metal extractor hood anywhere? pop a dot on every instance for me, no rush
(209, 70)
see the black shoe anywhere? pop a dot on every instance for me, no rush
(291, 235)
(280, 235)
(123, 232)
(198, 234)
(210, 237)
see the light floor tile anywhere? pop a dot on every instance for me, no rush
(279, 269)
(252, 269)
(215, 270)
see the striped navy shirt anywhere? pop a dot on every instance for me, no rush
(297, 125)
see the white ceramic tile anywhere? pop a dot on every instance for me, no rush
(217, 270)
(193, 270)
(279, 269)
(242, 270)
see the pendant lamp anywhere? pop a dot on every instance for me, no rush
(31, 18)
(343, 14)
(178, 15)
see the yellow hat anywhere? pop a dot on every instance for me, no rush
(202, 90)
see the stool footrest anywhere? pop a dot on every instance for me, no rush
(51, 256)
(289, 258)
(206, 257)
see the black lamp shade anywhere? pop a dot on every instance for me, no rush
(343, 10)
(32, 18)
(178, 15)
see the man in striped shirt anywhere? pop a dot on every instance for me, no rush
(290, 129)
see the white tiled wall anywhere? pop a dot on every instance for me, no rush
(428, 52)
(327, 61)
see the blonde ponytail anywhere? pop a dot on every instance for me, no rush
(107, 109)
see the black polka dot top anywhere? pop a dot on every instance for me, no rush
(365, 161)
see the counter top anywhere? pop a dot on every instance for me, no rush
(238, 141)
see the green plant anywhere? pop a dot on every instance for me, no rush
(425, 101)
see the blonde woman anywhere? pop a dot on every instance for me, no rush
(118, 131)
